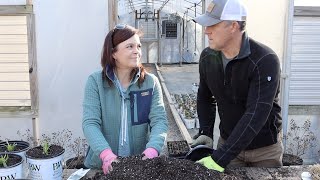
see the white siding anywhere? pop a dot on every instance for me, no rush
(14, 67)
(305, 62)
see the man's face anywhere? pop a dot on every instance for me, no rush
(219, 35)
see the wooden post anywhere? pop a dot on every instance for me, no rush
(29, 2)
(112, 13)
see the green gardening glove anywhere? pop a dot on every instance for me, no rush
(209, 163)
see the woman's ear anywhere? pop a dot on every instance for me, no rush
(114, 54)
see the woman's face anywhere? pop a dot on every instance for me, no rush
(128, 53)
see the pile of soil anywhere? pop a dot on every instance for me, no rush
(37, 152)
(162, 168)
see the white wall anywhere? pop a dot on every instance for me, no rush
(266, 23)
(69, 39)
(70, 35)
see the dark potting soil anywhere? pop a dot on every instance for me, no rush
(291, 160)
(12, 160)
(37, 152)
(161, 168)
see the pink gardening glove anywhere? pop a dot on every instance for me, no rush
(149, 153)
(107, 157)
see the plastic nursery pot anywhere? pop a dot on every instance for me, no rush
(75, 163)
(43, 167)
(177, 149)
(291, 160)
(20, 149)
(14, 168)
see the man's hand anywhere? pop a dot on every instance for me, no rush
(203, 140)
(107, 158)
(209, 163)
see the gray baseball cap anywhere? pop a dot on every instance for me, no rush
(221, 10)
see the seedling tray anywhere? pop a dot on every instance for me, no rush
(178, 149)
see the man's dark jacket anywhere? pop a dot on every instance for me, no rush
(246, 94)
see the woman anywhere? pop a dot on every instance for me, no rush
(123, 109)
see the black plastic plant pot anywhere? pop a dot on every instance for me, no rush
(199, 152)
(291, 160)
(178, 149)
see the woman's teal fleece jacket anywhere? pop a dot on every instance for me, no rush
(147, 120)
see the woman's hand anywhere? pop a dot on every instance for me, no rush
(107, 157)
(149, 153)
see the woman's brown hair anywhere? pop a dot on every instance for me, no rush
(116, 36)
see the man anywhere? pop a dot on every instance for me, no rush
(240, 76)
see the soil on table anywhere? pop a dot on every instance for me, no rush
(12, 160)
(163, 168)
(37, 152)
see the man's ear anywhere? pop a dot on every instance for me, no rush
(235, 25)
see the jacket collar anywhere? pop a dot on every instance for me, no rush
(245, 47)
(110, 74)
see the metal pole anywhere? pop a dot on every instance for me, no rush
(202, 34)
(181, 40)
(159, 49)
(286, 71)
(195, 28)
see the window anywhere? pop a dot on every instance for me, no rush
(17, 79)
(169, 28)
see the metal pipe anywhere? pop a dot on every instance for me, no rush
(180, 44)
(195, 28)
(202, 33)
(35, 130)
(159, 49)
(286, 70)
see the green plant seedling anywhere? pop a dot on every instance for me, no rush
(3, 160)
(11, 147)
(45, 148)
